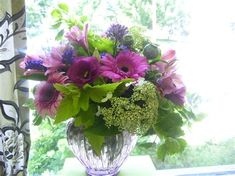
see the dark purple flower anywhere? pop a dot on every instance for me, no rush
(83, 70)
(116, 32)
(47, 98)
(127, 64)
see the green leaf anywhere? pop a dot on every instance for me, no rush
(56, 13)
(169, 124)
(62, 88)
(35, 77)
(29, 104)
(37, 118)
(99, 81)
(74, 89)
(83, 19)
(84, 100)
(80, 51)
(102, 44)
(65, 110)
(64, 7)
(147, 145)
(96, 141)
(96, 54)
(171, 146)
(67, 89)
(59, 35)
(161, 152)
(57, 25)
(86, 118)
(101, 129)
(99, 92)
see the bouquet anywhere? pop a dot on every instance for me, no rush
(109, 83)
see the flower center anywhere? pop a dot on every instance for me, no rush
(86, 74)
(125, 69)
(48, 93)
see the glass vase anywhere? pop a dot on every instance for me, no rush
(114, 151)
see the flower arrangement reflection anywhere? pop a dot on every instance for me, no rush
(116, 82)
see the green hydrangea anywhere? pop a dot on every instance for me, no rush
(135, 114)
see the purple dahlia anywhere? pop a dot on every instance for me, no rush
(47, 98)
(83, 70)
(127, 64)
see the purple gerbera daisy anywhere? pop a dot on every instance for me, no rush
(127, 64)
(47, 98)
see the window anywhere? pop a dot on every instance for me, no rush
(203, 35)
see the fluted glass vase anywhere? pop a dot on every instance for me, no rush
(114, 151)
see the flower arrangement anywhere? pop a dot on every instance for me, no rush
(110, 83)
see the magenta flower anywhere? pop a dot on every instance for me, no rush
(172, 88)
(75, 35)
(84, 70)
(33, 64)
(47, 98)
(127, 64)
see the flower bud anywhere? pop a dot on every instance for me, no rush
(151, 51)
(128, 40)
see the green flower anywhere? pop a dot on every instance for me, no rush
(135, 114)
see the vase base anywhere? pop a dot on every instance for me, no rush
(101, 173)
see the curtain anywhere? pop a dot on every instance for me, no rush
(14, 118)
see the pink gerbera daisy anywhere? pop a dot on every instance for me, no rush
(47, 98)
(127, 64)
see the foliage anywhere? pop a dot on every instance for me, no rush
(169, 14)
(207, 154)
(36, 13)
(49, 150)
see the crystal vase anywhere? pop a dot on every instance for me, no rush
(114, 151)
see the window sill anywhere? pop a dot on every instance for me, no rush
(143, 166)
